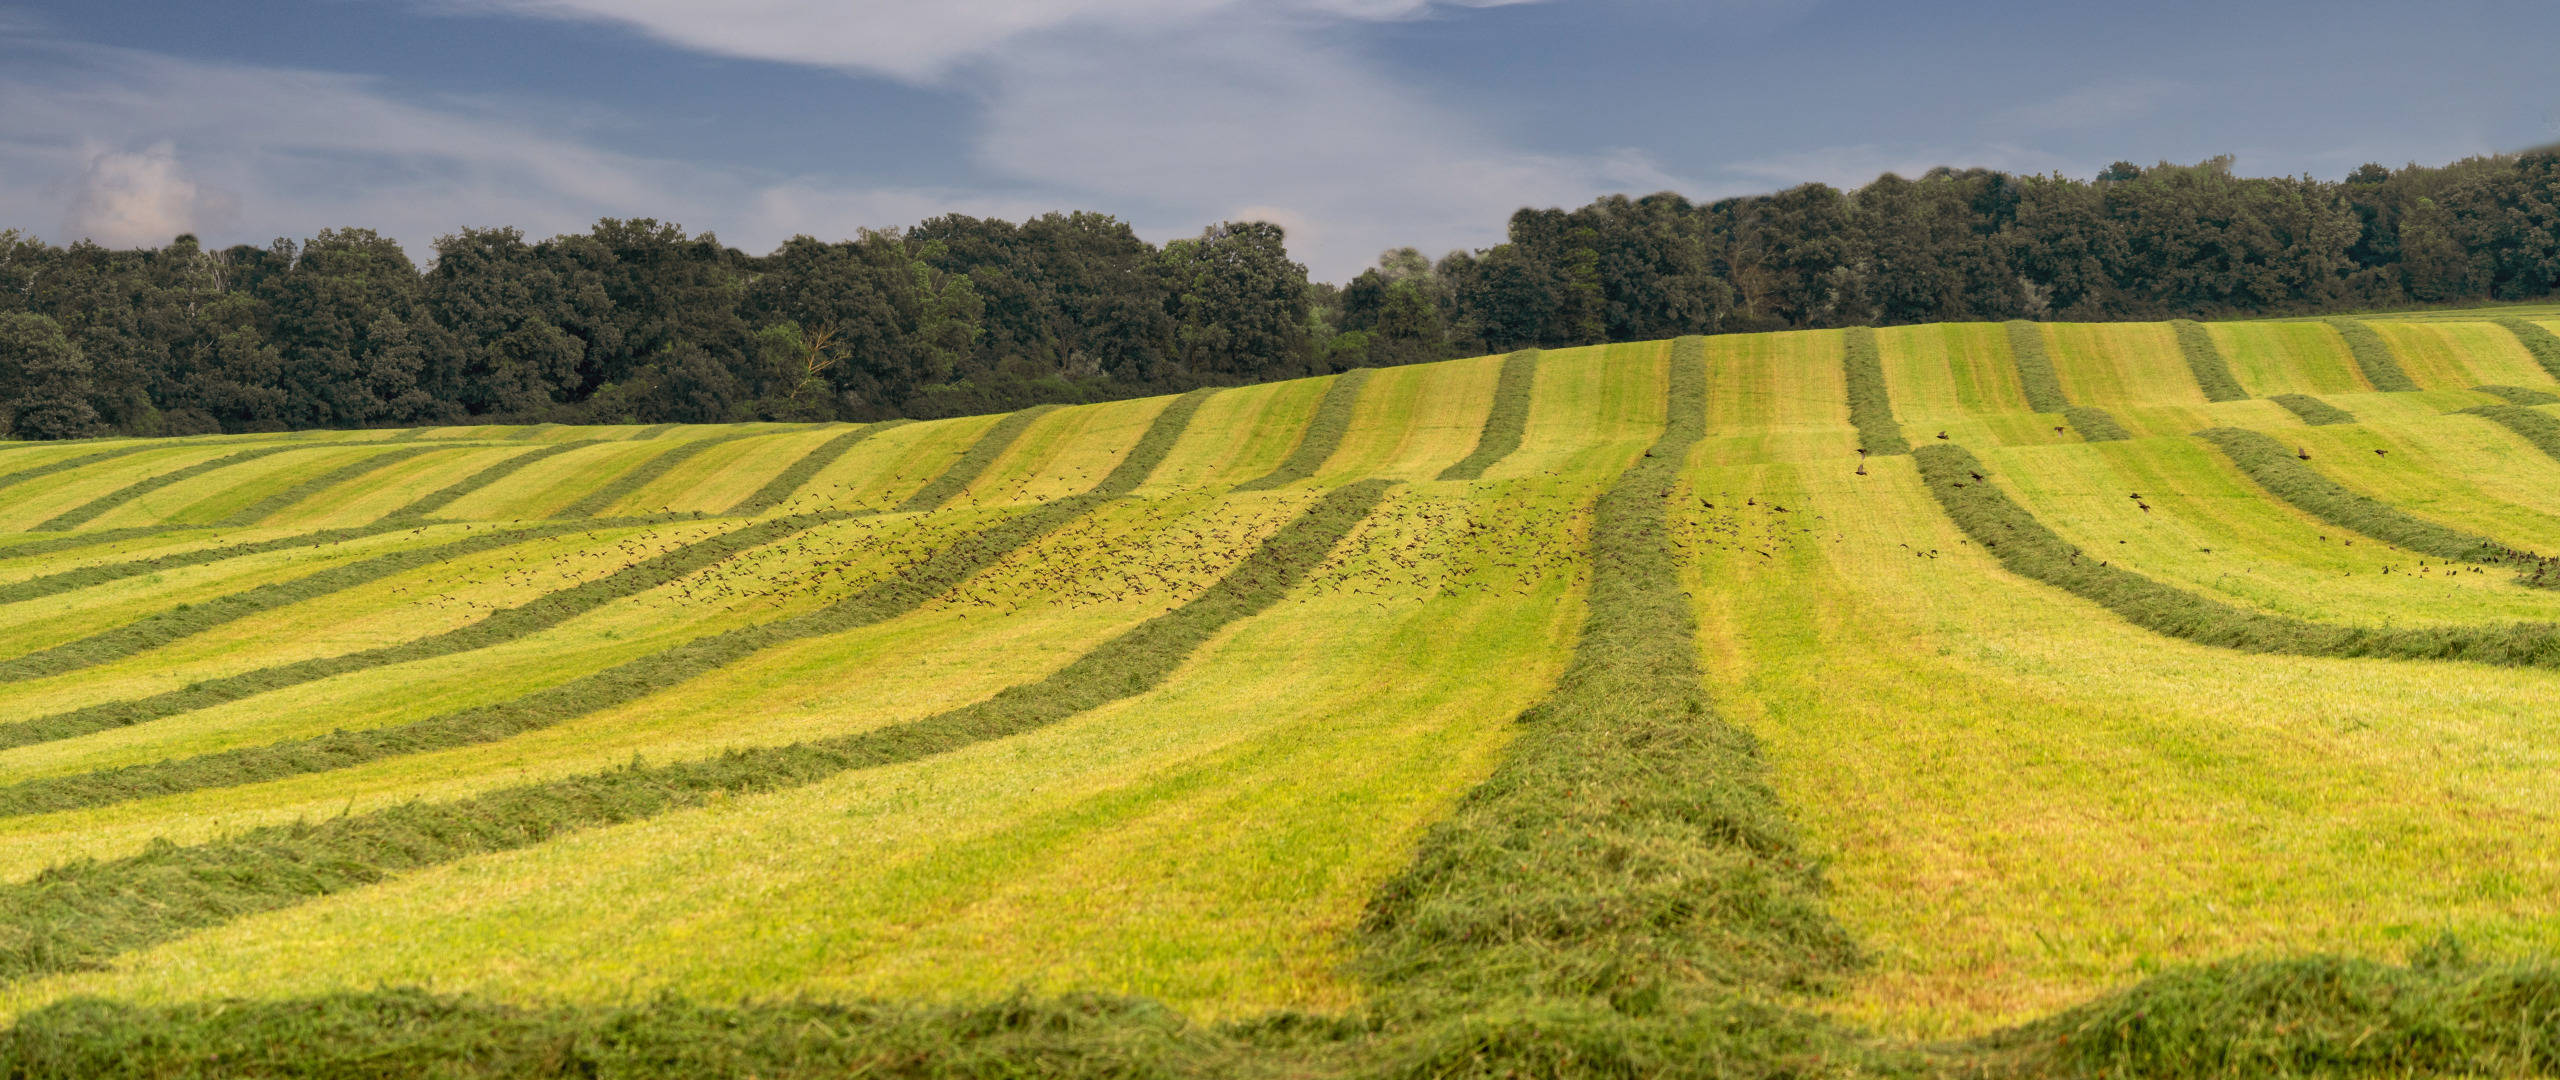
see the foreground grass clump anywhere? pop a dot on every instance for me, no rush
(2307, 1016)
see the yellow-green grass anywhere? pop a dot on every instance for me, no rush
(1206, 844)
(717, 478)
(2117, 364)
(1239, 434)
(2461, 355)
(2024, 802)
(24, 506)
(19, 457)
(548, 486)
(213, 496)
(763, 584)
(1063, 453)
(1777, 397)
(404, 607)
(1595, 407)
(22, 567)
(379, 494)
(1412, 422)
(2461, 471)
(2211, 530)
(2288, 358)
(881, 471)
(1961, 379)
(48, 621)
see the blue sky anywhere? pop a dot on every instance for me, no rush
(1359, 124)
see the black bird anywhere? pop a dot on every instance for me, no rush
(2057, 431)
(2304, 453)
(2136, 496)
(1975, 475)
(2378, 452)
(1942, 434)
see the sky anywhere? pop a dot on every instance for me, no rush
(1359, 125)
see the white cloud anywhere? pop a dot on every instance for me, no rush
(127, 199)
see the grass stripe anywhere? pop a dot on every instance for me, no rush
(2373, 355)
(1628, 848)
(2538, 427)
(78, 914)
(2538, 340)
(802, 471)
(638, 477)
(2027, 548)
(2035, 368)
(975, 460)
(498, 628)
(1323, 435)
(2044, 388)
(1870, 398)
(72, 518)
(1509, 420)
(84, 577)
(887, 599)
(646, 433)
(66, 465)
(187, 620)
(2095, 424)
(2284, 475)
(438, 500)
(2519, 395)
(258, 511)
(2213, 374)
(2312, 410)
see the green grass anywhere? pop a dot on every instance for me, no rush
(2519, 395)
(1596, 712)
(2537, 340)
(83, 513)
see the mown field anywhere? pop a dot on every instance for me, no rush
(2107, 699)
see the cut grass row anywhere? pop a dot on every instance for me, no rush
(79, 914)
(1601, 902)
(1509, 420)
(2213, 374)
(78, 515)
(2026, 547)
(790, 480)
(973, 461)
(1323, 433)
(633, 479)
(629, 681)
(2373, 356)
(2312, 410)
(2044, 388)
(2538, 341)
(498, 627)
(1870, 403)
(2283, 474)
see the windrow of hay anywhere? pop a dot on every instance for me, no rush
(974, 461)
(789, 481)
(2312, 410)
(886, 599)
(86, 576)
(2373, 355)
(2026, 547)
(497, 628)
(438, 500)
(257, 511)
(639, 476)
(2519, 395)
(76, 516)
(1323, 435)
(79, 914)
(1870, 402)
(2538, 340)
(2044, 388)
(2213, 374)
(2282, 473)
(1513, 390)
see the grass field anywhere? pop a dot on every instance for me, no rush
(1917, 803)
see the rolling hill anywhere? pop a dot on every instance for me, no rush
(2151, 699)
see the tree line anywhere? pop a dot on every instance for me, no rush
(637, 321)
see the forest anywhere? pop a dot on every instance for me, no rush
(639, 321)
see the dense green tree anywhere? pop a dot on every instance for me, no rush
(1239, 307)
(44, 381)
